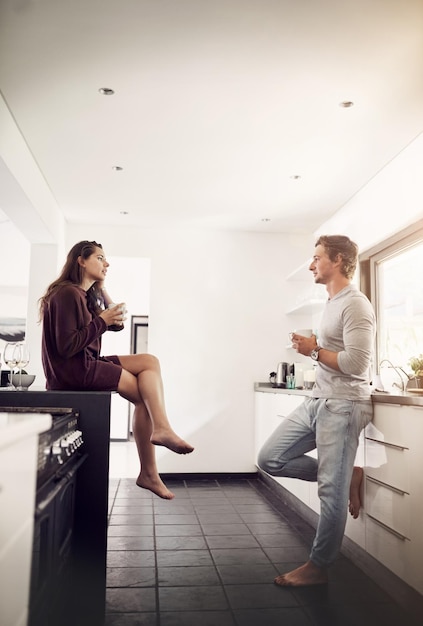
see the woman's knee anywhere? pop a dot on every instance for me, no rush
(150, 362)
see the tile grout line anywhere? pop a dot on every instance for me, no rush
(156, 566)
(222, 584)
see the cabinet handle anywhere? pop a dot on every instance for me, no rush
(388, 528)
(382, 484)
(388, 445)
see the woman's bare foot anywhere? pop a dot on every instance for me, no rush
(307, 574)
(355, 487)
(156, 485)
(169, 439)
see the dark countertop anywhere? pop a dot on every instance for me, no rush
(396, 397)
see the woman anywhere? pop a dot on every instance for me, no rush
(75, 314)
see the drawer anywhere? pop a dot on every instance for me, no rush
(389, 424)
(390, 507)
(388, 463)
(388, 548)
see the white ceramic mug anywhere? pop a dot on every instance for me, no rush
(122, 311)
(304, 332)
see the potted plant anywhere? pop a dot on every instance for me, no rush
(416, 364)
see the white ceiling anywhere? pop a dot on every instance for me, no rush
(218, 104)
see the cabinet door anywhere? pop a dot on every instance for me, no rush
(387, 547)
(270, 411)
(265, 417)
(286, 403)
(299, 488)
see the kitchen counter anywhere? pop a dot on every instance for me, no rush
(397, 397)
(17, 426)
(269, 388)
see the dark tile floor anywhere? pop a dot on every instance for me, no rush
(209, 557)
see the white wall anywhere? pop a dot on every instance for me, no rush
(217, 319)
(389, 202)
(217, 324)
(14, 270)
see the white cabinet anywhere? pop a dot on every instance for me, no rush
(390, 523)
(394, 490)
(18, 466)
(271, 409)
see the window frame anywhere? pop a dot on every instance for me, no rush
(369, 260)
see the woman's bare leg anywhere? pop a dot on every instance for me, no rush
(146, 368)
(148, 477)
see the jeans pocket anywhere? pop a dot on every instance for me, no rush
(338, 406)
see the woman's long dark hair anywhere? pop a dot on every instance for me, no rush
(72, 274)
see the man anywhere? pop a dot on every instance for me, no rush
(340, 407)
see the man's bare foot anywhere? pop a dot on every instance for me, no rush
(355, 487)
(307, 574)
(156, 485)
(169, 439)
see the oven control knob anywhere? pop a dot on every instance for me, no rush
(66, 446)
(78, 439)
(56, 451)
(75, 440)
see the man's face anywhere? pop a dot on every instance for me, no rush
(322, 267)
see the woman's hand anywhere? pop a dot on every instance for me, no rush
(102, 288)
(114, 315)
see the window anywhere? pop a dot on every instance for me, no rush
(396, 290)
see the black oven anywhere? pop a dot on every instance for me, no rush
(60, 455)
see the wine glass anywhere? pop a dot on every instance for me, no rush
(11, 359)
(22, 360)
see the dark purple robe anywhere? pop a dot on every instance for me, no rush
(71, 345)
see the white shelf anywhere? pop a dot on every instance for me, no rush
(309, 307)
(302, 273)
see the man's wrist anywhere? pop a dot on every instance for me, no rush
(314, 354)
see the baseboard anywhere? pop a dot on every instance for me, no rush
(198, 476)
(410, 599)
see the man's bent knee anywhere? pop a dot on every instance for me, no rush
(269, 466)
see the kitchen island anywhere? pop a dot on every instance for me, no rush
(386, 540)
(91, 496)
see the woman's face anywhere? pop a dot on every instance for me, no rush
(95, 266)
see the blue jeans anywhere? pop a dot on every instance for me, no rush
(333, 427)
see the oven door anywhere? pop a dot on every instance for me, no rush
(52, 557)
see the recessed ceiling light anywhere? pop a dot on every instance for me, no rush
(265, 219)
(295, 177)
(346, 104)
(117, 168)
(106, 91)
(124, 212)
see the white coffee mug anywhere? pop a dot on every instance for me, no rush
(304, 332)
(122, 311)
